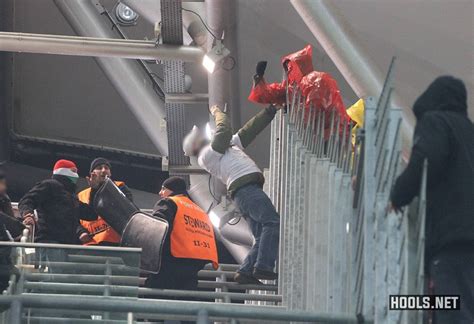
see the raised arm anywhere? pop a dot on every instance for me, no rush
(221, 141)
(256, 125)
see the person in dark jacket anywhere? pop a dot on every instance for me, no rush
(57, 206)
(10, 228)
(98, 232)
(7, 217)
(444, 136)
(182, 258)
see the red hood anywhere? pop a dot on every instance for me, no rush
(299, 64)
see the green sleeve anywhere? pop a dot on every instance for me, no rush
(223, 135)
(255, 125)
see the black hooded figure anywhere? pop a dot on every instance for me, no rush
(444, 136)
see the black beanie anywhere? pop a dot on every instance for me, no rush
(176, 184)
(99, 161)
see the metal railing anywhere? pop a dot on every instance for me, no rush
(341, 251)
(102, 285)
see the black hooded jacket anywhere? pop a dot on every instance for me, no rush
(58, 209)
(444, 136)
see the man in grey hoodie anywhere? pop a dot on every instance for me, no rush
(225, 159)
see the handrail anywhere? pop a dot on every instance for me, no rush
(125, 304)
(72, 247)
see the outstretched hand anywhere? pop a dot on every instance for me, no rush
(214, 109)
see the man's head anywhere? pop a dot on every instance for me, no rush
(67, 169)
(173, 186)
(100, 170)
(3, 183)
(445, 93)
(194, 142)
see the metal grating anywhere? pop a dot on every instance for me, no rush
(172, 33)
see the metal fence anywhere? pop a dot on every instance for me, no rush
(83, 284)
(340, 249)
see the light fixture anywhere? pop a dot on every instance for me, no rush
(125, 15)
(216, 54)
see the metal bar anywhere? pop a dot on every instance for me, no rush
(111, 290)
(187, 98)
(94, 259)
(96, 47)
(123, 304)
(62, 320)
(223, 266)
(83, 278)
(72, 247)
(91, 267)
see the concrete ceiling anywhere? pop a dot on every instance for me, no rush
(430, 38)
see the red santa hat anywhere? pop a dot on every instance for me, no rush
(66, 168)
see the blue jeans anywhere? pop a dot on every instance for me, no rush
(264, 222)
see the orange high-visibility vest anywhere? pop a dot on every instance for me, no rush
(99, 229)
(192, 236)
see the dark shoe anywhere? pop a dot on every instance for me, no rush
(264, 275)
(246, 279)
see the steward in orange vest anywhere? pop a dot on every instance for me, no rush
(190, 243)
(98, 232)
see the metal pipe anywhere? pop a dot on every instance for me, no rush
(96, 47)
(83, 278)
(223, 84)
(132, 290)
(129, 79)
(235, 286)
(187, 98)
(223, 89)
(124, 304)
(72, 247)
(336, 37)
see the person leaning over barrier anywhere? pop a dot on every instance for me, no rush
(98, 232)
(225, 159)
(444, 136)
(190, 243)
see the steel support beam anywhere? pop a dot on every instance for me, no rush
(128, 77)
(96, 47)
(172, 33)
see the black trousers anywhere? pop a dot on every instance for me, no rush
(170, 277)
(178, 276)
(451, 272)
